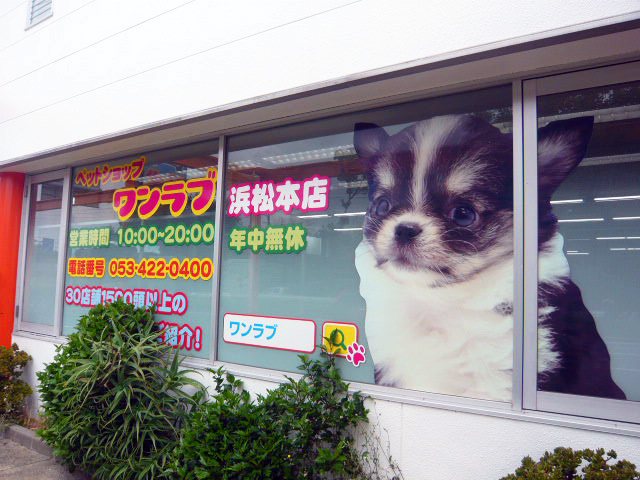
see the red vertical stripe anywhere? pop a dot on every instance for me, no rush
(11, 190)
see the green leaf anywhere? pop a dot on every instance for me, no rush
(113, 405)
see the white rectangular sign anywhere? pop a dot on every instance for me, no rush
(280, 333)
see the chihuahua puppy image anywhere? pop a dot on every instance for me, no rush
(436, 261)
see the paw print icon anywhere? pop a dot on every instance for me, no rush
(356, 354)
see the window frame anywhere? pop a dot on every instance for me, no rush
(197, 362)
(592, 407)
(402, 394)
(525, 404)
(191, 361)
(21, 324)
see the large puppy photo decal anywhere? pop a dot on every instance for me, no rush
(436, 261)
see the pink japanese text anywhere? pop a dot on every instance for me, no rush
(103, 174)
(91, 295)
(267, 198)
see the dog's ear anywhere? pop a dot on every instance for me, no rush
(561, 146)
(368, 139)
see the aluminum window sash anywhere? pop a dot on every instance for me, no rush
(518, 250)
(592, 407)
(62, 253)
(20, 323)
(22, 254)
(602, 408)
(48, 176)
(38, 328)
(217, 245)
(530, 249)
(597, 77)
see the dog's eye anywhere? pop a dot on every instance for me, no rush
(463, 215)
(382, 207)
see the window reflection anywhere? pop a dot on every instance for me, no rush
(322, 283)
(148, 254)
(598, 212)
(42, 252)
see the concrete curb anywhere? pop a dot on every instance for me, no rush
(27, 438)
(25, 456)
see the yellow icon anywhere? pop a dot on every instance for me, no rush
(336, 337)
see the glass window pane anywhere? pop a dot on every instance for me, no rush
(307, 248)
(589, 233)
(45, 202)
(142, 229)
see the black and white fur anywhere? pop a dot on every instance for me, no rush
(436, 261)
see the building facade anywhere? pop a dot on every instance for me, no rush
(448, 197)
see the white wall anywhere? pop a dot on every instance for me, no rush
(432, 443)
(101, 66)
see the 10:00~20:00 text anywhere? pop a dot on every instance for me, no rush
(174, 234)
(187, 269)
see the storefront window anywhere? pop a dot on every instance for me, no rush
(589, 242)
(45, 207)
(389, 231)
(142, 229)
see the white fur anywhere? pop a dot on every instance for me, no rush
(385, 176)
(449, 339)
(429, 135)
(553, 269)
(553, 148)
(462, 178)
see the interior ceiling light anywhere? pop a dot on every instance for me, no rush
(561, 202)
(161, 178)
(347, 229)
(617, 238)
(576, 220)
(626, 218)
(323, 215)
(350, 214)
(353, 184)
(242, 164)
(616, 199)
(310, 156)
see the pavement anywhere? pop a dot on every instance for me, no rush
(18, 462)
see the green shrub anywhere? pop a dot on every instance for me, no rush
(302, 429)
(13, 391)
(114, 396)
(564, 463)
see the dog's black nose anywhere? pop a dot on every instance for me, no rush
(406, 232)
